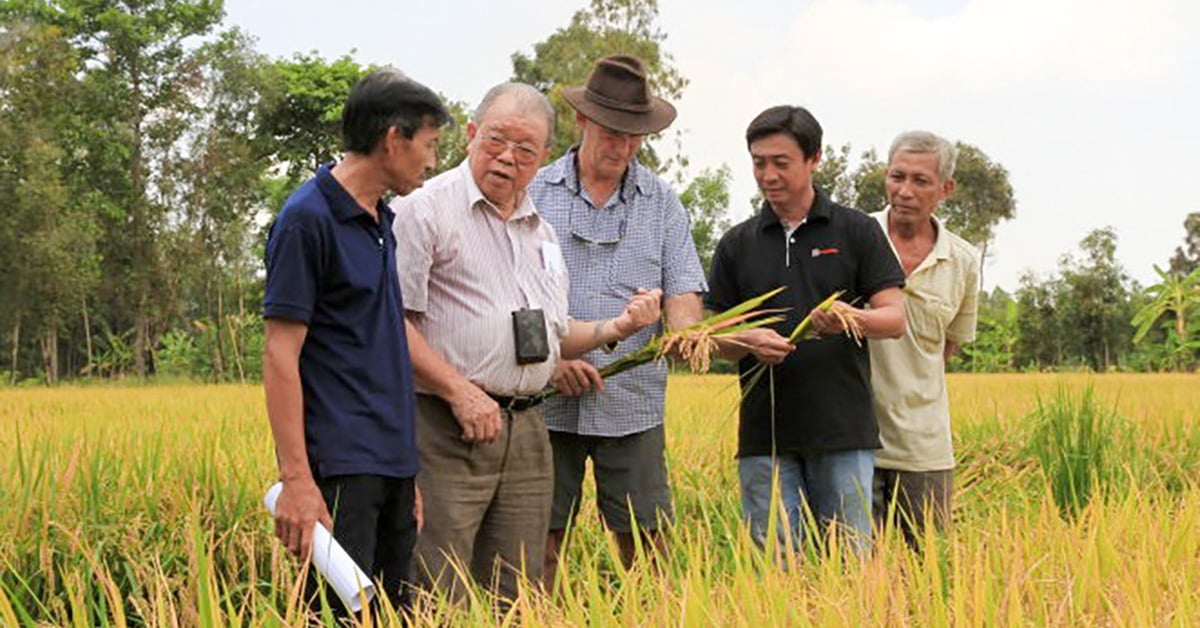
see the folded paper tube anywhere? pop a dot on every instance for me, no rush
(352, 586)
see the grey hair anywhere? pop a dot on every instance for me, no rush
(925, 142)
(527, 99)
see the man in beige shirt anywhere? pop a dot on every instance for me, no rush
(485, 289)
(915, 468)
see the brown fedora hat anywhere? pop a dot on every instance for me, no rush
(617, 96)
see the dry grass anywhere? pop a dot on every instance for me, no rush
(140, 506)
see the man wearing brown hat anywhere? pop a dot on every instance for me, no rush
(622, 231)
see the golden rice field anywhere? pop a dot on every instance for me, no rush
(141, 506)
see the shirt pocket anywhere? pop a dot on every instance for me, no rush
(928, 318)
(632, 267)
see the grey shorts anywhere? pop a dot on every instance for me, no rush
(631, 471)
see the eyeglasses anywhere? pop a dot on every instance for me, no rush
(589, 239)
(523, 154)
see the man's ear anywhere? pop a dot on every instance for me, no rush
(948, 187)
(472, 129)
(393, 133)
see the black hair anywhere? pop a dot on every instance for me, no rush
(794, 121)
(385, 99)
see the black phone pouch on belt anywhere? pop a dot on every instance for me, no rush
(529, 332)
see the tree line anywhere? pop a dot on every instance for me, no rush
(145, 146)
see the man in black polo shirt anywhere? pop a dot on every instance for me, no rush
(336, 367)
(820, 433)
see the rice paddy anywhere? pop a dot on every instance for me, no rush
(142, 506)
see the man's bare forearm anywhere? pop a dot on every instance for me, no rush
(285, 398)
(682, 310)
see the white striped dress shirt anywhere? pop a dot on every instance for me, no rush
(463, 271)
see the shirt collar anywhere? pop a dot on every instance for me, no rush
(822, 209)
(941, 245)
(341, 203)
(565, 171)
(475, 197)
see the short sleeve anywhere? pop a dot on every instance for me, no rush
(962, 328)
(293, 258)
(415, 242)
(682, 272)
(722, 278)
(878, 268)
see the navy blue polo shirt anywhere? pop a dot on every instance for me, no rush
(823, 389)
(331, 266)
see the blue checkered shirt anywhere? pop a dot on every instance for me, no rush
(640, 239)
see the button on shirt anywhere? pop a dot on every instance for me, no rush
(822, 392)
(641, 238)
(908, 374)
(464, 271)
(330, 265)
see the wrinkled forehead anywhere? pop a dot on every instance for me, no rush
(515, 123)
(913, 161)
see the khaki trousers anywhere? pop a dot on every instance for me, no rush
(487, 505)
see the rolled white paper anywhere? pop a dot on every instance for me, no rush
(332, 562)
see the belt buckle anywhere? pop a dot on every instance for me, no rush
(520, 403)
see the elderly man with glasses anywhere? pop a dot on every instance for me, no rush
(623, 230)
(485, 289)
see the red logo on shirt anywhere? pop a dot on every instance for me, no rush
(820, 252)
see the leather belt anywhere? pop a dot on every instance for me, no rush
(518, 403)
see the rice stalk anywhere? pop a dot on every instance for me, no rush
(696, 343)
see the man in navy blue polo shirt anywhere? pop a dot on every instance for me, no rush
(336, 367)
(813, 424)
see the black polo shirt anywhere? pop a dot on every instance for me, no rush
(823, 389)
(332, 266)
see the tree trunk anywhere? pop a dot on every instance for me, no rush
(982, 259)
(49, 344)
(87, 332)
(139, 341)
(16, 348)
(218, 349)
(234, 339)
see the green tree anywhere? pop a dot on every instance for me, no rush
(301, 115)
(1040, 342)
(833, 174)
(1095, 302)
(868, 189)
(994, 347)
(983, 198)
(136, 64)
(860, 186)
(218, 192)
(1187, 257)
(707, 198)
(47, 238)
(565, 58)
(1174, 298)
(452, 145)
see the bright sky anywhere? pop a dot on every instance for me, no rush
(1085, 102)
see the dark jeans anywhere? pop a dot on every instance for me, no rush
(373, 521)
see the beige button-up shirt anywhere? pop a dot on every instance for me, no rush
(464, 271)
(908, 374)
